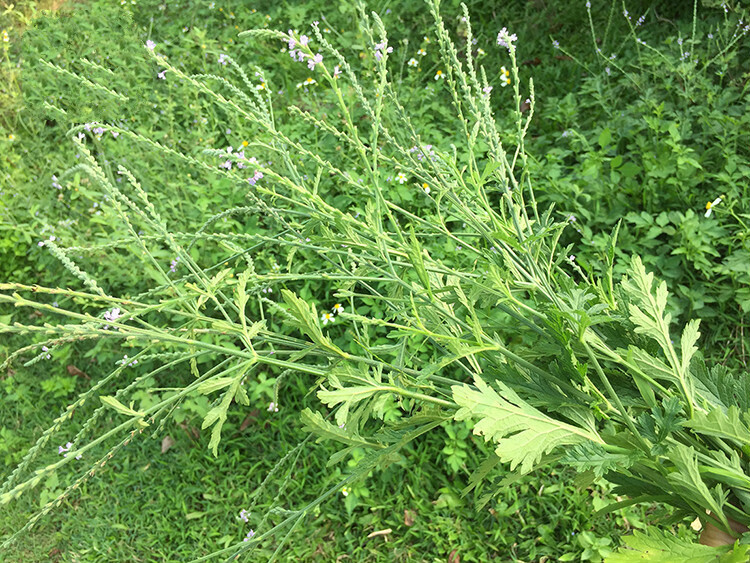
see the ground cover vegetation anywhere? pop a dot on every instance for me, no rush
(362, 289)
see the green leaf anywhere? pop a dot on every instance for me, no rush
(522, 433)
(689, 484)
(663, 547)
(721, 424)
(315, 423)
(605, 137)
(591, 456)
(217, 415)
(119, 407)
(689, 337)
(214, 385)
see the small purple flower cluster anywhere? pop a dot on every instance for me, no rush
(222, 59)
(112, 315)
(52, 238)
(63, 449)
(427, 151)
(173, 265)
(124, 361)
(47, 355)
(55, 184)
(273, 407)
(382, 48)
(298, 55)
(505, 39)
(243, 515)
(255, 177)
(249, 536)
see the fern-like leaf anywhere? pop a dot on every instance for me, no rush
(523, 434)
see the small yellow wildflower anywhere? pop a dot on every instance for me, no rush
(504, 76)
(439, 75)
(426, 187)
(11, 137)
(5, 37)
(261, 86)
(245, 143)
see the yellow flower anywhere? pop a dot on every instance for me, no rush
(245, 143)
(426, 187)
(11, 137)
(504, 77)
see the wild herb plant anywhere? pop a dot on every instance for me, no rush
(547, 362)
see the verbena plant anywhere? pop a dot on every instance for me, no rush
(549, 363)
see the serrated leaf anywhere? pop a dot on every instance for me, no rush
(592, 456)
(523, 434)
(663, 547)
(721, 424)
(218, 414)
(315, 423)
(214, 385)
(689, 337)
(118, 406)
(688, 482)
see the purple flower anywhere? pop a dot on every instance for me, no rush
(257, 176)
(112, 315)
(487, 90)
(222, 59)
(150, 45)
(64, 448)
(162, 75)
(226, 164)
(250, 535)
(273, 407)
(318, 58)
(555, 43)
(173, 265)
(292, 42)
(303, 40)
(505, 39)
(243, 515)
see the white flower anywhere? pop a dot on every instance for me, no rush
(401, 177)
(426, 188)
(710, 206)
(412, 62)
(504, 76)
(327, 318)
(439, 75)
(273, 407)
(338, 308)
(345, 491)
